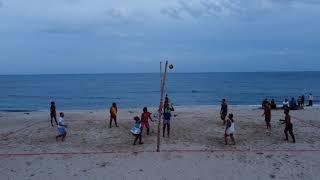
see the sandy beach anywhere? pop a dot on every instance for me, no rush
(195, 149)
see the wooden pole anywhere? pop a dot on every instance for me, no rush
(162, 82)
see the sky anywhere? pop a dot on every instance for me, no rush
(126, 36)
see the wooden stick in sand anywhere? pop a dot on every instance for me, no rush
(162, 85)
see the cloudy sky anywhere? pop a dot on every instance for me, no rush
(101, 36)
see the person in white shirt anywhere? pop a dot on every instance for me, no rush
(61, 127)
(285, 104)
(229, 130)
(310, 100)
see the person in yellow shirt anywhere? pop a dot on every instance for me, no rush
(113, 114)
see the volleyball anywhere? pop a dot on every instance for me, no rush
(171, 66)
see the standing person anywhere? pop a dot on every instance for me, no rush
(224, 111)
(286, 104)
(145, 116)
(293, 104)
(229, 130)
(265, 102)
(310, 97)
(113, 114)
(267, 115)
(166, 119)
(302, 100)
(273, 104)
(166, 100)
(53, 113)
(136, 130)
(299, 102)
(61, 127)
(289, 126)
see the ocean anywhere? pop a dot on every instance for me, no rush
(98, 91)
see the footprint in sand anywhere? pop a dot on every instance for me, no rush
(272, 176)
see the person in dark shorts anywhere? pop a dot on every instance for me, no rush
(302, 100)
(289, 126)
(166, 119)
(267, 115)
(113, 114)
(273, 104)
(53, 113)
(136, 131)
(224, 111)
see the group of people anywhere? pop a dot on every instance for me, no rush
(229, 123)
(293, 104)
(60, 123)
(287, 120)
(137, 129)
(267, 107)
(141, 123)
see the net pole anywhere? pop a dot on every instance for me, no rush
(162, 82)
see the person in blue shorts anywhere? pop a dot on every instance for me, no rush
(166, 119)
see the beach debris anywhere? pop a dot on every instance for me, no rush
(272, 176)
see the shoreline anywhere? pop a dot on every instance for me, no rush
(315, 106)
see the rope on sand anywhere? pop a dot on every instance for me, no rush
(164, 151)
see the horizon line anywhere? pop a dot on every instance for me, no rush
(102, 73)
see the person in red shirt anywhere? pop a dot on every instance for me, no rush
(145, 116)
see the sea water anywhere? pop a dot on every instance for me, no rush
(98, 91)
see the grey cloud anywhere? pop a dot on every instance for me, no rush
(171, 12)
(187, 7)
(296, 1)
(126, 16)
(198, 8)
(65, 30)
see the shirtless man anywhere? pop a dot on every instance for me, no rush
(53, 113)
(224, 111)
(267, 115)
(289, 126)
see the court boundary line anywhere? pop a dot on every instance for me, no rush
(257, 151)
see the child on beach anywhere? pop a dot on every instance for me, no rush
(267, 115)
(53, 113)
(224, 111)
(113, 114)
(166, 119)
(229, 130)
(61, 128)
(145, 116)
(136, 130)
(289, 126)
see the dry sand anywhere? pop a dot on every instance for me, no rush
(195, 150)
